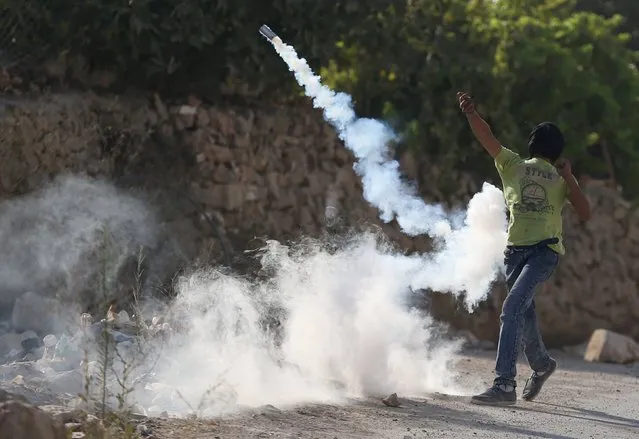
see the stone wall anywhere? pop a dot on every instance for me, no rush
(259, 171)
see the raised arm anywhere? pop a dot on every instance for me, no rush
(480, 128)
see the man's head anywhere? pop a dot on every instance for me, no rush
(546, 141)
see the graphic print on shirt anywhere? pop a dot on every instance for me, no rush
(534, 198)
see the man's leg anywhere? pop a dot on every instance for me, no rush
(514, 262)
(534, 348)
(535, 269)
(536, 353)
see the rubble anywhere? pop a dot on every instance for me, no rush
(59, 368)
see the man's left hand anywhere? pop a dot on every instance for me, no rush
(564, 168)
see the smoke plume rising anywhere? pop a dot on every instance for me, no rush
(469, 257)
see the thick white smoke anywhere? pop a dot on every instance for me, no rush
(346, 331)
(326, 325)
(50, 238)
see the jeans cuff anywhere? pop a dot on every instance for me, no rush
(505, 382)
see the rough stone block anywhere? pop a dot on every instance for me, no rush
(609, 347)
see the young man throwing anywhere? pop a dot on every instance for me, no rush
(535, 190)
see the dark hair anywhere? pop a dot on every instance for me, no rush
(546, 140)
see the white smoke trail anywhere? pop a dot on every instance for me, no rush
(469, 257)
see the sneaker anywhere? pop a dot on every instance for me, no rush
(536, 381)
(496, 395)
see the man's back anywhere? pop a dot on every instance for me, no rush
(535, 194)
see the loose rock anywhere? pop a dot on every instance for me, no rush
(609, 347)
(391, 400)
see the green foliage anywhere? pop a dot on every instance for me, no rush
(590, 88)
(172, 42)
(627, 10)
(524, 60)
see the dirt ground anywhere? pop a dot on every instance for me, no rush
(580, 401)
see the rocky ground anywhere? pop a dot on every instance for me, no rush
(588, 397)
(582, 400)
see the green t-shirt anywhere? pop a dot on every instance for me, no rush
(535, 194)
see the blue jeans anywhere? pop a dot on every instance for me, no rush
(526, 268)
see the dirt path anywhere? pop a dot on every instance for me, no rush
(580, 401)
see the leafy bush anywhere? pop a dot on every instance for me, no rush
(160, 42)
(524, 60)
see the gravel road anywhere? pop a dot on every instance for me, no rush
(580, 401)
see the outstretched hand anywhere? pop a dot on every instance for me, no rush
(466, 103)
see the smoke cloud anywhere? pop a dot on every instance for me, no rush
(328, 324)
(50, 239)
(323, 327)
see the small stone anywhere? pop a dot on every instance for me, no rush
(221, 154)
(391, 400)
(142, 430)
(73, 426)
(187, 110)
(123, 318)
